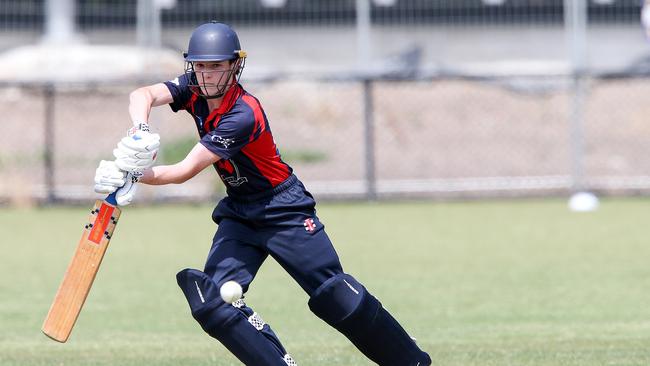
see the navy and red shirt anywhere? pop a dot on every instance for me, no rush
(238, 132)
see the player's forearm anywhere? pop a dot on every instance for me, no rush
(140, 103)
(198, 159)
(143, 99)
(166, 174)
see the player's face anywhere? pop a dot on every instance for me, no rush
(212, 74)
(211, 67)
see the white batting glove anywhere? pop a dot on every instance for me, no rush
(108, 177)
(125, 195)
(138, 150)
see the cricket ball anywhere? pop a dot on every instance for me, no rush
(230, 292)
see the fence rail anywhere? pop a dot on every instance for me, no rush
(437, 137)
(116, 13)
(367, 98)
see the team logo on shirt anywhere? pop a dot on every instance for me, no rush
(222, 141)
(229, 166)
(309, 225)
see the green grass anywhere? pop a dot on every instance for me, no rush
(305, 156)
(176, 150)
(478, 283)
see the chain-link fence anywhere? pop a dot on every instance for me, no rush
(444, 137)
(325, 34)
(366, 98)
(21, 14)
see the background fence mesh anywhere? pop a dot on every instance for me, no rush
(435, 98)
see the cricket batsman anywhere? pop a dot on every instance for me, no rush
(267, 211)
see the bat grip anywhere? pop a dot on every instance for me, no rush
(111, 198)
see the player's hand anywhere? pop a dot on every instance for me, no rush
(108, 177)
(138, 150)
(125, 195)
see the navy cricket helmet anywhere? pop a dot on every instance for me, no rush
(209, 43)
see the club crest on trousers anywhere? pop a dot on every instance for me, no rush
(309, 225)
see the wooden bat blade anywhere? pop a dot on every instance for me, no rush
(81, 271)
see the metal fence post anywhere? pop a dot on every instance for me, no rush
(577, 137)
(148, 24)
(60, 21)
(363, 30)
(49, 94)
(368, 114)
(575, 20)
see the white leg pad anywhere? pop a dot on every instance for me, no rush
(256, 321)
(289, 360)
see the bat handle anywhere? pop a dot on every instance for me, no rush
(111, 198)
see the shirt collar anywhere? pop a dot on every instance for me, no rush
(230, 98)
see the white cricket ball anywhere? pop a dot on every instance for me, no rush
(230, 292)
(583, 202)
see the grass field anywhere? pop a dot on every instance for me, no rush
(478, 283)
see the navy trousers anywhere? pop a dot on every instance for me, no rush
(284, 226)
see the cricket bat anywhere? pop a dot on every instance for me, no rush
(81, 271)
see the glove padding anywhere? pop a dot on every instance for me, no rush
(125, 195)
(137, 151)
(109, 178)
